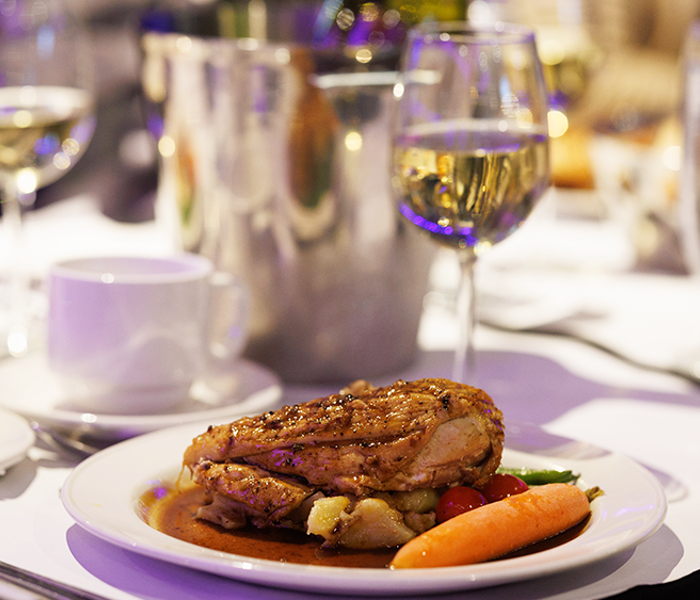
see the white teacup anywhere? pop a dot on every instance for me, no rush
(130, 335)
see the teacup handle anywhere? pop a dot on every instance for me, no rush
(229, 315)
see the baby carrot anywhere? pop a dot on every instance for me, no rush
(496, 529)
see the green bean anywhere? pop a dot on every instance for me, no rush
(540, 476)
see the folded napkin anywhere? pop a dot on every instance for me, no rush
(651, 320)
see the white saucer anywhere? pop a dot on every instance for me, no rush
(29, 388)
(16, 437)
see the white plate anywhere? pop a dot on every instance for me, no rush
(101, 495)
(16, 437)
(29, 388)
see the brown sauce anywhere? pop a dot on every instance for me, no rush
(171, 510)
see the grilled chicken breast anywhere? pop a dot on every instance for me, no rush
(362, 442)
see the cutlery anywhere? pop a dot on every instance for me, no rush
(43, 586)
(63, 443)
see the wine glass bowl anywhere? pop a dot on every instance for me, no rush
(471, 154)
(43, 131)
(46, 123)
(474, 195)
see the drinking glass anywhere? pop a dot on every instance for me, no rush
(689, 181)
(470, 154)
(46, 123)
(568, 41)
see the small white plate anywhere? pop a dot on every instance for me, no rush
(102, 492)
(16, 437)
(29, 388)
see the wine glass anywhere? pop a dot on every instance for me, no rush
(470, 145)
(46, 123)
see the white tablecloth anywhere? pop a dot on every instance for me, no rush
(568, 387)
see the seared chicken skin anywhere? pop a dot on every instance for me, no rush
(362, 442)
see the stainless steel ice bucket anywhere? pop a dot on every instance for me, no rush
(281, 175)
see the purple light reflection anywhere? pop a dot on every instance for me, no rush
(47, 144)
(154, 124)
(159, 489)
(465, 234)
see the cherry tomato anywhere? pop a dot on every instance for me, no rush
(456, 501)
(503, 485)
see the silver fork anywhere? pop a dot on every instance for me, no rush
(43, 586)
(63, 443)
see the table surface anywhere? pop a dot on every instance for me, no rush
(566, 386)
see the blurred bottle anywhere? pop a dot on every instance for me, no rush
(372, 33)
(348, 25)
(190, 17)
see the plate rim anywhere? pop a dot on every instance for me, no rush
(321, 579)
(13, 452)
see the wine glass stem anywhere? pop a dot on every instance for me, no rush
(17, 281)
(464, 367)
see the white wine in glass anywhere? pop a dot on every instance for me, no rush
(471, 155)
(43, 132)
(46, 123)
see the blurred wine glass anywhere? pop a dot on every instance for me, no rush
(613, 76)
(46, 123)
(621, 145)
(568, 48)
(471, 154)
